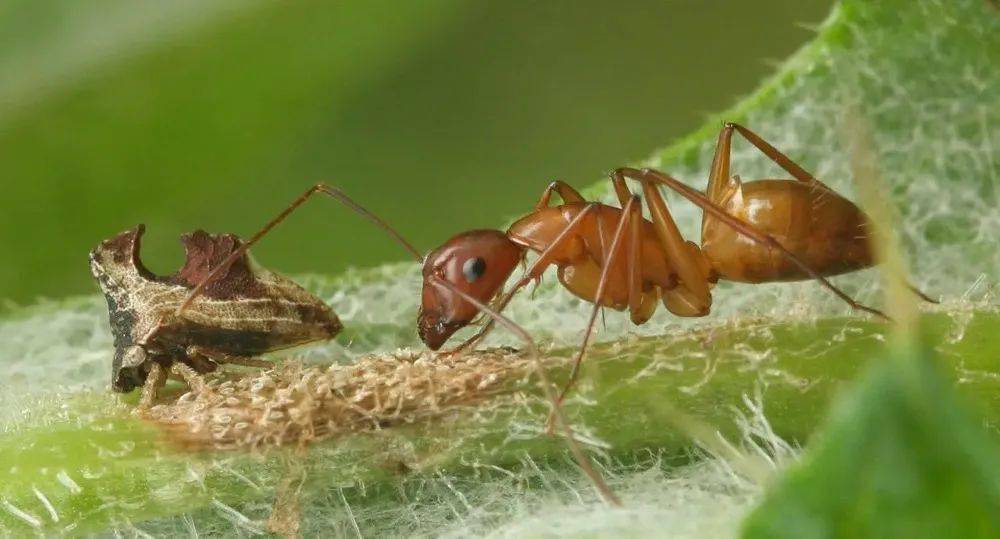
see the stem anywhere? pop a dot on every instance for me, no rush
(704, 374)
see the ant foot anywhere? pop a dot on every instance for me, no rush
(872, 311)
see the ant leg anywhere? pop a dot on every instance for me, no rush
(772, 153)
(533, 272)
(640, 306)
(920, 294)
(560, 418)
(767, 149)
(639, 309)
(791, 167)
(743, 228)
(621, 189)
(321, 188)
(565, 192)
(695, 298)
(720, 171)
(719, 180)
(631, 207)
(471, 342)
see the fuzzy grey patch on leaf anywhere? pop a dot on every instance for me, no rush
(295, 404)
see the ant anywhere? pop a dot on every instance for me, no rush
(752, 232)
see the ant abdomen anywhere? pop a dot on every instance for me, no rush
(818, 226)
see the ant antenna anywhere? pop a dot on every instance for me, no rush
(318, 188)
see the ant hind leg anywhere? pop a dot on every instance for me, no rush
(720, 173)
(772, 153)
(700, 200)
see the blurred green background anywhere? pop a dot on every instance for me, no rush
(440, 115)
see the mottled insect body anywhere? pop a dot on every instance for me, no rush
(245, 312)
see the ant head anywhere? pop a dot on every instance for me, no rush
(477, 263)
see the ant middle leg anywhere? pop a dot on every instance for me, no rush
(692, 297)
(631, 218)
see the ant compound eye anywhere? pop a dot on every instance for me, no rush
(473, 269)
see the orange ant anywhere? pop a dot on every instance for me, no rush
(752, 232)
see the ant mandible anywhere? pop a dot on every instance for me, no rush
(753, 232)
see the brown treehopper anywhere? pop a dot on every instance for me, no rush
(244, 312)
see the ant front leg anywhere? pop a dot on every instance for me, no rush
(557, 416)
(569, 195)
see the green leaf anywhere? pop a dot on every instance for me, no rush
(106, 102)
(900, 457)
(97, 466)
(922, 73)
(228, 109)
